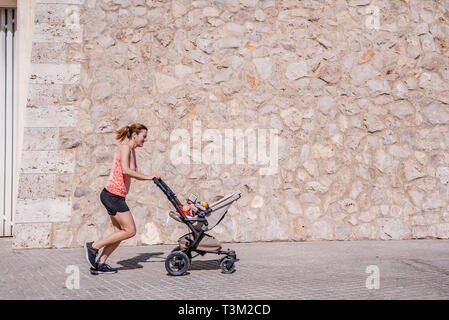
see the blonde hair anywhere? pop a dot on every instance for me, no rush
(127, 131)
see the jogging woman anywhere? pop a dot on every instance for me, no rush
(124, 168)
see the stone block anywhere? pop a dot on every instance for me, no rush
(264, 67)
(165, 83)
(64, 185)
(365, 232)
(86, 232)
(343, 232)
(297, 70)
(62, 235)
(50, 73)
(57, 13)
(442, 173)
(38, 139)
(322, 229)
(51, 116)
(61, 161)
(44, 94)
(412, 170)
(36, 186)
(434, 200)
(54, 53)
(440, 231)
(419, 232)
(394, 229)
(401, 109)
(362, 73)
(436, 113)
(151, 235)
(43, 210)
(229, 43)
(45, 32)
(378, 87)
(31, 235)
(69, 138)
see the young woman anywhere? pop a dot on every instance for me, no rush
(124, 168)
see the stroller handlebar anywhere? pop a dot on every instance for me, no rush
(155, 180)
(176, 203)
(161, 184)
(167, 191)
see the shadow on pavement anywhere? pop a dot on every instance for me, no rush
(206, 264)
(134, 263)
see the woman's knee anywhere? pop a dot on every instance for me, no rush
(126, 223)
(131, 232)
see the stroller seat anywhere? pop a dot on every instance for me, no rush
(219, 210)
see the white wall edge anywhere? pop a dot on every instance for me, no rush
(25, 30)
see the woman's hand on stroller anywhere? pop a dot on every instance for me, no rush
(157, 176)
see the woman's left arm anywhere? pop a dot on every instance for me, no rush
(135, 159)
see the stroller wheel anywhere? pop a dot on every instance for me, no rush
(177, 263)
(227, 265)
(177, 248)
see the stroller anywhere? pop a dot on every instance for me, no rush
(178, 261)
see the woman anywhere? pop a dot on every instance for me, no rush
(124, 168)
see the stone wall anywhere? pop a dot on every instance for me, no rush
(357, 90)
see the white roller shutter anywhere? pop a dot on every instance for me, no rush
(7, 118)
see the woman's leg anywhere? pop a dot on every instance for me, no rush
(127, 230)
(108, 249)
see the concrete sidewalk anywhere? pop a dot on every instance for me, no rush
(408, 269)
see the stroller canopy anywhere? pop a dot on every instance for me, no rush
(219, 209)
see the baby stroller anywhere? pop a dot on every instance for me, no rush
(178, 261)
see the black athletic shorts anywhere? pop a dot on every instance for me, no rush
(113, 203)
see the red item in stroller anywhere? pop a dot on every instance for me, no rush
(178, 261)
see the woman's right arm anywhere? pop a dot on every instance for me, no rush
(124, 161)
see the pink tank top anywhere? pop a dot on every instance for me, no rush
(118, 182)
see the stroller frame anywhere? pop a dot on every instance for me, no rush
(177, 258)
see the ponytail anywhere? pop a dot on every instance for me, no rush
(127, 131)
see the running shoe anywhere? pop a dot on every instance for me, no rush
(105, 268)
(91, 254)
